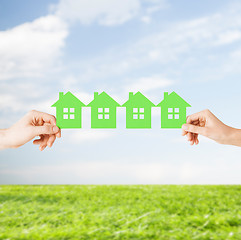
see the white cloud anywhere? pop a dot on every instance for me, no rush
(30, 49)
(236, 54)
(146, 19)
(228, 37)
(181, 43)
(105, 12)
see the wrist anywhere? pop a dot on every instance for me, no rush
(4, 139)
(234, 137)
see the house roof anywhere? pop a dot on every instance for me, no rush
(138, 99)
(68, 99)
(173, 98)
(101, 98)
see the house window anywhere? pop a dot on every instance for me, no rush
(138, 113)
(173, 113)
(103, 113)
(69, 113)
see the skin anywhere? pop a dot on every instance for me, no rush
(43, 125)
(33, 124)
(207, 124)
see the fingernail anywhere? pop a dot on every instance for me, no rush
(184, 127)
(55, 129)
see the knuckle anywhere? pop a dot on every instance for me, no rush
(47, 128)
(193, 128)
(31, 112)
(207, 111)
(54, 118)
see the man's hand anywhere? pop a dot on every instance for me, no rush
(208, 125)
(33, 124)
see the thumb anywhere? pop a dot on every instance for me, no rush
(46, 129)
(193, 129)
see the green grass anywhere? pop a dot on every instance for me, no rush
(120, 212)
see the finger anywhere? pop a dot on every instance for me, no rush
(43, 145)
(38, 141)
(48, 118)
(184, 132)
(196, 116)
(58, 134)
(45, 129)
(195, 122)
(195, 138)
(51, 140)
(189, 136)
(194, 129)
(191, 142)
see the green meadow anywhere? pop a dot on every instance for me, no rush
(120, 212)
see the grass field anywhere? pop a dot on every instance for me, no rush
(120, 212)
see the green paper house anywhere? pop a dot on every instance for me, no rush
(138, 111)
(103, 111)
(173, 110)
(68, 111)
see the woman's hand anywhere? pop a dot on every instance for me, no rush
(33, 124)
(208, 125)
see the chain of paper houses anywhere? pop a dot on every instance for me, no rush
(103, 111)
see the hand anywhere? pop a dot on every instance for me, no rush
(208, 125)
(33, 124)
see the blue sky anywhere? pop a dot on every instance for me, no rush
(193, 48)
